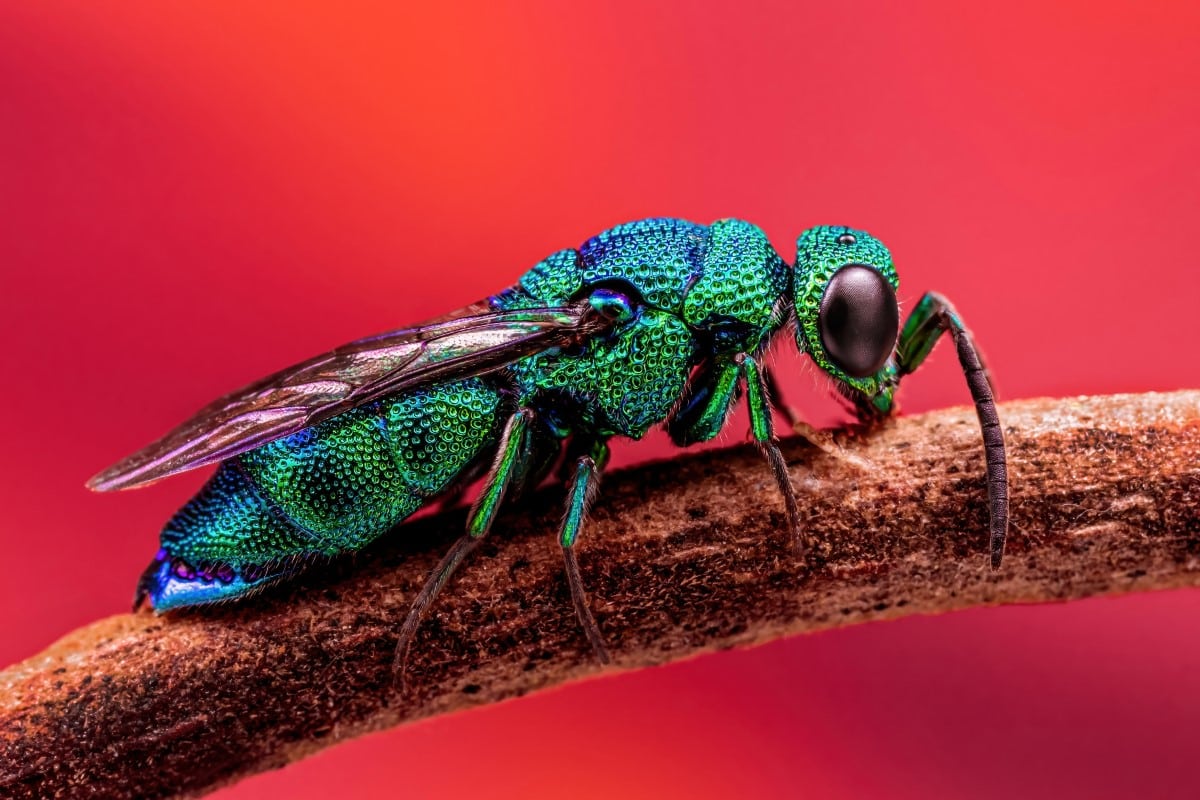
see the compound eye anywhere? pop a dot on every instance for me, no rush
(858, 320)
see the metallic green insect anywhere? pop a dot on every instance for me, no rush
(660, 321)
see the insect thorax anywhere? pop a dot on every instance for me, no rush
(699, 291)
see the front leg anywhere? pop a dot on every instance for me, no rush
(821, 439)
(711, 395)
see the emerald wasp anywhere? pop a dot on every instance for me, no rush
(655, 322)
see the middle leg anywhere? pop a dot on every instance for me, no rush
(702, 414)
(585, 482)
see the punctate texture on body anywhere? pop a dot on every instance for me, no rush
(656, 322)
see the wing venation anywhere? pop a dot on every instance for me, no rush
(349, 376)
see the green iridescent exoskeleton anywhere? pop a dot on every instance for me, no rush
(656, 322)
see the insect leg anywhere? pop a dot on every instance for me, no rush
(775, 397)
(822, 440)
(584, 484)
(932, 317)
(706, 405)
(763, 429)
(709, 395)
(513, 447)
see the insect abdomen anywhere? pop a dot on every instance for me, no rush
(327, 489)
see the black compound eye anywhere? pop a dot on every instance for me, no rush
(859, 320)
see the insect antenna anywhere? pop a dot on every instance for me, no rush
(932, 316)
(980, 385)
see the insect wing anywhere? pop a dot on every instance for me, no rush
(353, 374)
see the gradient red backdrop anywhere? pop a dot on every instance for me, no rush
(194, 195)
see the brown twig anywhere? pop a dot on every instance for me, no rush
(681, 557)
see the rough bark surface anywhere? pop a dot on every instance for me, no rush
(681, 557)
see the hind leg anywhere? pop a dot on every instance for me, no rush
(585, 482)
(511, 455)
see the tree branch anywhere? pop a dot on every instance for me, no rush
(681, 557)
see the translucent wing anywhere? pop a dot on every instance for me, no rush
(351, 375)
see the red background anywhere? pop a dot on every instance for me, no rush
(193, 196)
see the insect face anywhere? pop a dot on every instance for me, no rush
(847, 317)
